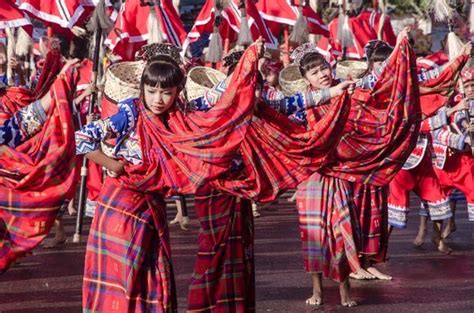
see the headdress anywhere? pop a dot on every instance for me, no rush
(467, 73)
(275, 66)
(149, 51)
(233, 57)
(373, 45)
(298, 54)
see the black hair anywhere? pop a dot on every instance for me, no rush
(79, 48)
(162, 71)
(379, 54)
(312, 60)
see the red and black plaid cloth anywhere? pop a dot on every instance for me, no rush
(128, 258)
(224, 273)
(36, 177)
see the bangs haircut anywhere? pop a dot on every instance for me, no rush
(312, 60)
(162, 71)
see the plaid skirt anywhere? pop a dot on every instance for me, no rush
(328, 226)
(371, 203)
(224, 273)
(128, 259)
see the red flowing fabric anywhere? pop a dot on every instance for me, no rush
(194, 148)
(360, 141)
(130, 31)
(383, 125)
(435, 93)
(277, 13)
(35, 179)
(279, 153)
(11, 17)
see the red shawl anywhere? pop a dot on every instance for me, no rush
(383, 125)
(365, 141)
(435, 93)
(191, 149)
(35, 179)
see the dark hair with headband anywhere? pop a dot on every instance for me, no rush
(162, 71)
(312, 60)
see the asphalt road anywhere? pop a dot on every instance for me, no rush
(49, 281)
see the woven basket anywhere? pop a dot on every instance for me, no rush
(291, 81)
(201, 79)
(350, 69)
(123, 81)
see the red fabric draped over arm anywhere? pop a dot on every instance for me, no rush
(435, 93)
(35, 179)
(194, 148)
(383, 125)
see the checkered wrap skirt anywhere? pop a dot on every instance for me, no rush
(224, 274)
(128, 259)
(328, 226)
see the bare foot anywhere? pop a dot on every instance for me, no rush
(378, 274)
(315, 300)
(177, 219)
(71, 209)
(184, 223)
(420, 237)
(450, 228)
(345, 292)
(361, 274)
(441, 244)
(55, 242)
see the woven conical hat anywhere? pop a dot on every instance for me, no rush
(123, 81)
(201, 79)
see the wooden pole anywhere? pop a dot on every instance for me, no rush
(286, 58)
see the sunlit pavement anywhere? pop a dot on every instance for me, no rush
(424, 279)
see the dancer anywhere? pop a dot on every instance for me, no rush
(162, 150)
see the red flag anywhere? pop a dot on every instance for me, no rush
(62, 13)
(364, 28)
(11, 16)
(230, 27)
(283, 12)
(131, 30)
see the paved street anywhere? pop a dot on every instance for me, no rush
(424, 280)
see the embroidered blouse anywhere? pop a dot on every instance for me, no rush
(22, 125)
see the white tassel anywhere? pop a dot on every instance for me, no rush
(154, 29)
(454, 45)
(176, 5)
(10, 53)
(245, 37)
(441, 10)
(346, 38)
(215, 49)
(299, 34)
(23, 43)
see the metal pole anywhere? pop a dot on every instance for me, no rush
(85, 162)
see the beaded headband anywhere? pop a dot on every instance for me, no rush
(232, 57)
(149, 51)
(298, 54)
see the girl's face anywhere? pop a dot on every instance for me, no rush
(159, 100)
(469, 89)
(319, 77)
(376, 66)
(272, 78)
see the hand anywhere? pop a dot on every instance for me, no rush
(466, 49)
(467, 140)
(403, 34)
(91, 118)
(68, 64)
(462, 105)
(260, 43)
(91, 89)
(14, 64)
(348, 85)
(116, 169)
